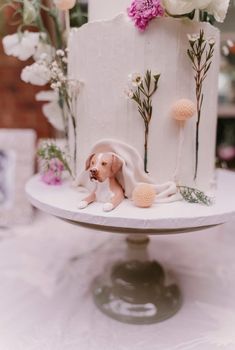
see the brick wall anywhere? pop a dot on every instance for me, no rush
(18, 108)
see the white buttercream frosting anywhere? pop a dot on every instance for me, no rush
(104, 53)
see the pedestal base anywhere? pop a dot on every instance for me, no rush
(135, 291)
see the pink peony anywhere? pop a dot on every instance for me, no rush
(53, 175)
(143, 11)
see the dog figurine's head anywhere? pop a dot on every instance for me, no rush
(102, 166)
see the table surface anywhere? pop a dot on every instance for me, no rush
(46, 271)
(62, 201)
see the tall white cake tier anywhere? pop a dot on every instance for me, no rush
(106, 9)
(104, 53)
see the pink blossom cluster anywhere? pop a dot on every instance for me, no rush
(53, 174)
(226, 153)
(143, 11)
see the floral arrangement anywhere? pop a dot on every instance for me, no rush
(53, 162)
(42, 36)
(143, 11)
(200, 54)
(141, 92)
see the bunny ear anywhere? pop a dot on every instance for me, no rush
(88, 161)
(116, 163)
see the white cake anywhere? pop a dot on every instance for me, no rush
(106, 9)
(102, 55)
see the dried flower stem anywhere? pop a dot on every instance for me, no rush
(143, 97)
(67, 98)
(201, 58)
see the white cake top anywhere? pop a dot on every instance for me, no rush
(106, 9)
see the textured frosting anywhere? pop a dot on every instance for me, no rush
(104, 53)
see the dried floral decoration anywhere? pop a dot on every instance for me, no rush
(200, 54)
(141, 92)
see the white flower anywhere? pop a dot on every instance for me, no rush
(180, 7)
(36, 74)
(60, 53)
(22, 46)
(135, 79)
(129, 93)
(44, 51)
(211, 41)
(51, 110)
(193, 37)
(217, 8)
(225, 50)
(230, 43)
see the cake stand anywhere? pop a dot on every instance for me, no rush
(136, 290)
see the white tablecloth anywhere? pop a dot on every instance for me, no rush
(45, 302)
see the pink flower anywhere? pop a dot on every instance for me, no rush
(53, 174)
(143, 11)
(226, 153)
(56, 165)
(50, 178)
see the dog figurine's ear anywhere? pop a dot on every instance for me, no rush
(88, 161)
(116, 164)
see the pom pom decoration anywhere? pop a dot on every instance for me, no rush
(144, 195)
(64, 5)
(182, 111)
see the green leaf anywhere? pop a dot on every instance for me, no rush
(193, 195)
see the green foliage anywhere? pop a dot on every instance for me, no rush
(193, 195)
(78, 15)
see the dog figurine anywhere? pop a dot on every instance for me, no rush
(103, 168)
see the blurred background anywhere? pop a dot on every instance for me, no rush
(20, 110)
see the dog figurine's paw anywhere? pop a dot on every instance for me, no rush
(108, 207)
(82, 205)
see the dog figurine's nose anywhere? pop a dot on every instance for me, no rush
(93, 171)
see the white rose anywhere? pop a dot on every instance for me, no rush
(51, 110)
(36, 74)
(179, 7)
(22, 46)
(217, 8)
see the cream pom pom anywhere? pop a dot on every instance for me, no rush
(183, 110)
(144, 195)
(64, 5)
